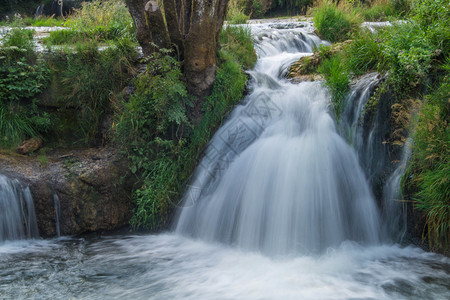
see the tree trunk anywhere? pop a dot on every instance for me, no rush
(143, 35)
(192, 27)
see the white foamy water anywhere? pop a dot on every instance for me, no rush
(277, 177)
(168, 266)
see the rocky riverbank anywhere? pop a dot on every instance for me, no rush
(92, 186)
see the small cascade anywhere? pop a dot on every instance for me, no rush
(394, 208)
(277, 177)
(17, 215)
(57, 205)
(367, 137)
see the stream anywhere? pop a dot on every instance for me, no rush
(279, 208)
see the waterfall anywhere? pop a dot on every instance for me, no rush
(367, 135)
(277, 177)
(57, 205)
(394, 209)
(17, 216)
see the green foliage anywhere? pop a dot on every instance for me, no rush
(153, 128)
(22, 76)
(161, 142)
(17, 44)
(35, 22)
(381, 10)
(364, 53)
(337, 80)
(430, 12)
(45, 22)
(334, 23)
(99, 21)
(86, 79)
(431, 165)
(235, 13)
(257, 9)
(407, 52)
(237, 41)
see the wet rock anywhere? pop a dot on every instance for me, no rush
(93, 187)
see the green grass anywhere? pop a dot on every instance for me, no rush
(22, 76)
(365, 53)
(97, 21)
(378, 11)
(87, 80)
(337, 80)
(235, 13)
(430, 166)
(237, 41)
(334, 24)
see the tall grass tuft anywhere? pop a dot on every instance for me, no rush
(431, 164)
(22, 76)
(237, 41)
(380, 10)
(86, 79)
(235, 13)
(337, 80)
(364, 53)
(99, 21)
(333, 23)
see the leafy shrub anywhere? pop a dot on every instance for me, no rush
(431, 165)
(22, 76)
(155, 129)
(334, 23)
(86, 79)
(153, 125)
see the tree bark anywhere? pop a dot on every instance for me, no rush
(143, 34)
(192, 27)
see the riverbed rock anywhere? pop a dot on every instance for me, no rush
(93, 187)
(29, 146)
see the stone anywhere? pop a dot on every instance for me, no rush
(305, 69)
(30, 145)
(94, 188)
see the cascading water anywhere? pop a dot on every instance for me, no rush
(367, 145)
(57, 205)
(368, 135)
(17, 216)
(394, 208)
(277, 177)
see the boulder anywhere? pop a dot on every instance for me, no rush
(93, 188)
(29, 146)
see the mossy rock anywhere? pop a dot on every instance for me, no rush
(305, 69)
